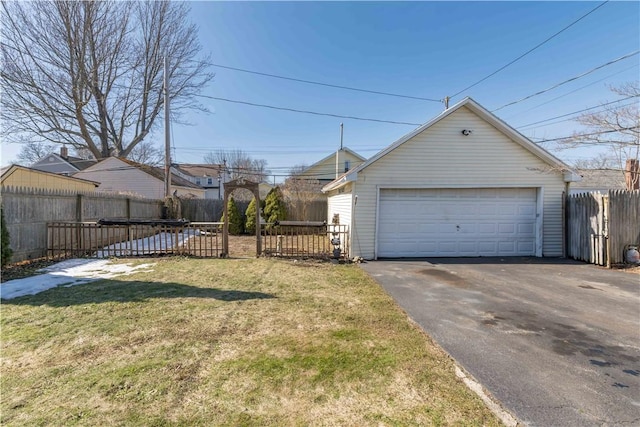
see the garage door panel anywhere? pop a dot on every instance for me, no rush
(457, 222)
(487, 247)
(526, 228)
(486, 209)
(508, 228)
(486, 228)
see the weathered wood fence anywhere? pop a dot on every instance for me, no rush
(210, 210)
(600, 226)
(27, 212)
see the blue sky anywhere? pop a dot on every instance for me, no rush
(423, 49)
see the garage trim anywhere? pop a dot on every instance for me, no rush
(539, 206)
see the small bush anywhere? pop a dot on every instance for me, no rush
(274, 207)
(236, 222)
(250, 214)
(5, 257)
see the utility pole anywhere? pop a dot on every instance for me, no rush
(338, 159)
(167, 134)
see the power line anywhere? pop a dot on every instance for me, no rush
(532, 49)
(574, 91)
(308, 112)
(589, 134)
(574, 118)
(569, 80)
(581, 111)
(324, 84)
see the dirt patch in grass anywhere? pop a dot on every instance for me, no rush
(24, 269)
(226, 342)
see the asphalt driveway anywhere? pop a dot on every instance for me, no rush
(556, 342)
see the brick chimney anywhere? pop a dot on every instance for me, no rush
(632, 174)
(64, 152)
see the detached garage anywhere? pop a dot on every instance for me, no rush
(462, 185)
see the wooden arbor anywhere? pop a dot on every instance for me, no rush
(229, 187)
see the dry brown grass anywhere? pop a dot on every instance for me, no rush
(226, 342)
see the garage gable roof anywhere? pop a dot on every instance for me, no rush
(484, 114)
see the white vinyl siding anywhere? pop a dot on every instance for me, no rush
(457, 222)
(339, 204)
(116, 176)
(441, 157)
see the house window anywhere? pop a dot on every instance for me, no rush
(347, 165)
(198, 181)
(210, 181)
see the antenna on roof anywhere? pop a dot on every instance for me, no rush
(341, 132)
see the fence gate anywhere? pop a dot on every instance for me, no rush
(587, 227)
(600, 227)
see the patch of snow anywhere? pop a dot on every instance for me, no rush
(158, 243)
(68, 273)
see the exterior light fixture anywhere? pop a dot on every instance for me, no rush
(466, 132)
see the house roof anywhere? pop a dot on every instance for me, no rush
(158, 173)
(74, 162)
(81, 164)
(200, 170)
(478, 109)
(353, 153)
(600, 179)
(8, 170)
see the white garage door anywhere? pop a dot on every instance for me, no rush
(457, 222)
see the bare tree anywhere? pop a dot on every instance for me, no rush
(239, 164)
(32, 152)
(300, 192)
(147, 153)
(90, 73)
(615, 126)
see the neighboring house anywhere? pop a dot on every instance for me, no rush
(62, 163)
(463, 184)
(263, 189)
(332, 166)
(207, 176)
(600, 180)
(20, 176)
(117, 175)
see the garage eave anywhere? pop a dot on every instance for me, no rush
(340, 182)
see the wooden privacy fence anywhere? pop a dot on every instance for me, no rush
(145, 238)
(601, 226)
(211, 209)
(28, 211)
(305, 239)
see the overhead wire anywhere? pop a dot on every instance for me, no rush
(324, 84)
(574, 118)
(308, 112)
(532, 49)
(574, 91)
(629, 55)
(602, 132)
(581, 111)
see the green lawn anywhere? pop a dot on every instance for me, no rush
(226, 342)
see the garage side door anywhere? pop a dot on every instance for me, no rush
(457, 222)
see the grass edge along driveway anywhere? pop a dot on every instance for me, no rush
(226, 342)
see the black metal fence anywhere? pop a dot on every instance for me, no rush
(291, 239)
(153, 238)
(305, 239)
